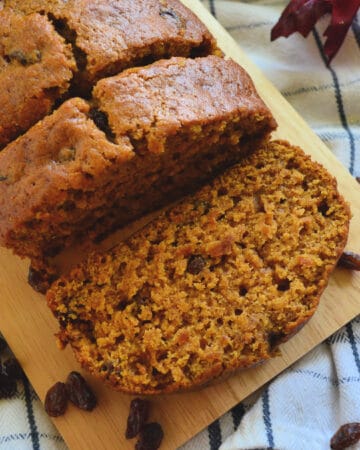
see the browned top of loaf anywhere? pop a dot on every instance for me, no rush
(62, 152)
(155, 102)
(35, 68)
(214, 283)
(111, 31)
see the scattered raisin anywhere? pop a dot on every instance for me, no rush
(79, 392)
(3, 178)
(8, 386)
(56, 400)
(150, 437)
(12, 369)
(347, 435)
(195, 264)
(138, 415)
(358, 179)
(349, 260)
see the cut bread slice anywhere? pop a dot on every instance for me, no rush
(212, 285)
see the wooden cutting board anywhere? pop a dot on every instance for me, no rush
(28, 325)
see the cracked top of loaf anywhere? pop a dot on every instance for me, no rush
(36, 66)
(109, 36)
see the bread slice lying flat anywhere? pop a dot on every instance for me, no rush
(213, 284)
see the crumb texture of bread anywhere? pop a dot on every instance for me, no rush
(109, 36)
(212, 285)
(82, 171)
(36, 67)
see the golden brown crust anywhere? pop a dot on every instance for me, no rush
(213, 284)
(36, 67)
(111, 36)
(154, 103)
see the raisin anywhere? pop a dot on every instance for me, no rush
(18, 56)
(107, 367)
(358, 179)
(243, 291)
(40, 280)
(222, 191)
(195, 264)
(347, 435)
(3, 178)
(138, 415)
(101, 121)
(12, 369)
(3, 345)
(150, 437)
(349, 260)
(283, 285)
(323, 208)
(24, 60)
(169, 13)
(8, 386)
(56, 400)
(79, 392)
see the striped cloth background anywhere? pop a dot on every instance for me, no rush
(305, 405)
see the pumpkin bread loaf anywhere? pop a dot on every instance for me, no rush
(36, 67)
(213, 284)
(109, 36)
(180, 103)
(66, 179)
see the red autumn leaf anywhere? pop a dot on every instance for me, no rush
(302, 15)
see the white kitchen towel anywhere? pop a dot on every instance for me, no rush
(305, 405)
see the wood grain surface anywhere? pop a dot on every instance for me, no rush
(29, 326)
